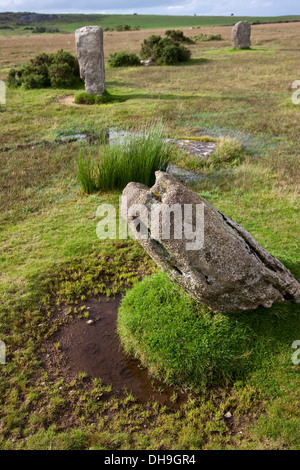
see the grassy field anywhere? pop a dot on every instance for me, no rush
(68, 23)
(52, 262)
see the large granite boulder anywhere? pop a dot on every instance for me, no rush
(89, 46)
(216, 261)
(241, 33)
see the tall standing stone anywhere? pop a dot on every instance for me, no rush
(241, 33)
(89, 45)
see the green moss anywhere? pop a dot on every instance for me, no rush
(181, 342)
(88, 98)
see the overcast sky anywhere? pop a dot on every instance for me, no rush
(158, 7)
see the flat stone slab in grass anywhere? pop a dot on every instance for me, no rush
(228, 271)
(194, 147)
(89, 46)
(200, 149)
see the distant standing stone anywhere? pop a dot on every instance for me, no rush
(89, 46)
(241, 33)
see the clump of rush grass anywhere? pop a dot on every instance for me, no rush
(229, 151)
(86, 174)
(135, 158)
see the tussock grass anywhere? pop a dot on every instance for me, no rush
(229, 151)
(136, 158)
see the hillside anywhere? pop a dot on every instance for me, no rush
(15, 24)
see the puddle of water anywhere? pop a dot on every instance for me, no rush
(114, 136)
(88, 137)
(96, 350)
(111, 137)
(73, 137)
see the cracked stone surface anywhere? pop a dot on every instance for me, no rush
(200, 148)
(230, 273)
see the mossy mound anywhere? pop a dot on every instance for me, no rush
(182, 342)
(88, 98)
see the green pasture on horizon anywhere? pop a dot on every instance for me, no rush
(70, 22)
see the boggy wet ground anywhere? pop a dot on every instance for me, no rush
(92, 346)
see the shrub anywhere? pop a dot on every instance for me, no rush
(208, 37)
(135, 159)
(164, 51)
(30, 76)
(64, 69)
(178, 36)
(39, 30)
(123, 59)
(127, 27)
(41, 59)
(123, 27)
(60, 70)
(172, 52)
(150, 46)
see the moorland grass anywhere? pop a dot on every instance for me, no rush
(51, 258)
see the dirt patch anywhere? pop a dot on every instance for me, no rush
(92, 346)
(67, 100)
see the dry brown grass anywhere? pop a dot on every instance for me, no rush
(17, 50)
